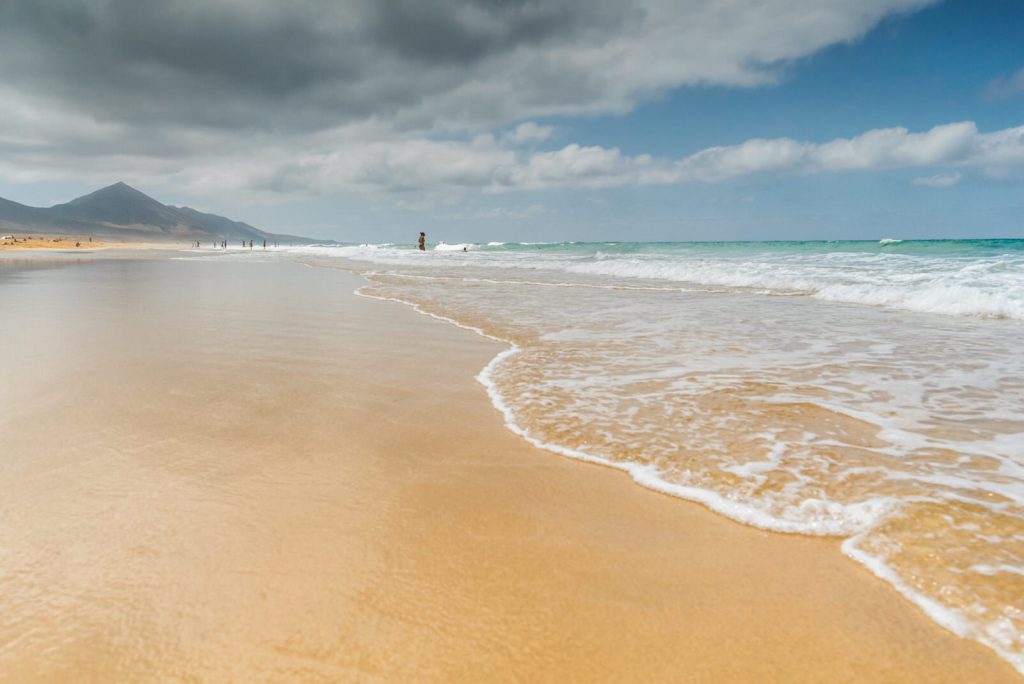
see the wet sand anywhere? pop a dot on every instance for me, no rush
(233, 469)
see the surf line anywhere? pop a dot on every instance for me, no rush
(646, 475)
(649, 476)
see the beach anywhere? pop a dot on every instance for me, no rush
(238, 470)
(868, 390)
(10, 243)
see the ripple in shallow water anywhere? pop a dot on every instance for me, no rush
(903, 432)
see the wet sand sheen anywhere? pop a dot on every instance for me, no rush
(218, 471)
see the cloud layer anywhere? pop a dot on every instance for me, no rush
(178, 88)
(311, 97)
(309, 64)
(495, 165)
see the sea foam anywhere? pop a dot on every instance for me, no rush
(988, 284)
(813, 392)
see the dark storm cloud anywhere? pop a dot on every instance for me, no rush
(461, 32)
(290, 65)
(175, 62)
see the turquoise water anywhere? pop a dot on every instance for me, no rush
(965, 248)
(981, 278)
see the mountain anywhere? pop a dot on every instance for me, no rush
(18, 213)
(121, 212)
(119, 205)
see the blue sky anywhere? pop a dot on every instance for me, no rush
(552, 135)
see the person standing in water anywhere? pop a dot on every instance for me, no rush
(423, 241)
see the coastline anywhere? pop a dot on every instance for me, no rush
(346, 503)
(738, 512)
(54, 242)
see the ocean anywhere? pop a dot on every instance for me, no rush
(872, 391)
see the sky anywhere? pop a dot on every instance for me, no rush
(525, 120)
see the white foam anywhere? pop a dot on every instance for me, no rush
(999, 636)
(992, 570)
(359, 292)
(989, 286)
(987, 289)
(457, 247)
(811, 516)
(801, 505)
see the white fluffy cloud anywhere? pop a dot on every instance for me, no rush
(402, 96)
(492, 165)
(528, 132)
(360, 92)
(887, 148)
(939, 180)
(351, 159)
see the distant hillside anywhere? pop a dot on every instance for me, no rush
(121, 212)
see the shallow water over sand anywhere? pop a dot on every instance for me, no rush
(900, 430)
(233, 470)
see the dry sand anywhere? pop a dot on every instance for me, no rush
(221, 471)
(49, 242)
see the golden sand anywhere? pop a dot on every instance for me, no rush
(244, 473)
(62, 242)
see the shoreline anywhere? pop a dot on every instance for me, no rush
(46, 243)
(376, 519)
(731, 511)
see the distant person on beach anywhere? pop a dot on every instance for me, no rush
(423, 241)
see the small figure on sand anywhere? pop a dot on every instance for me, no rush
(423, 241)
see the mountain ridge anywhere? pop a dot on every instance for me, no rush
(122, 212)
